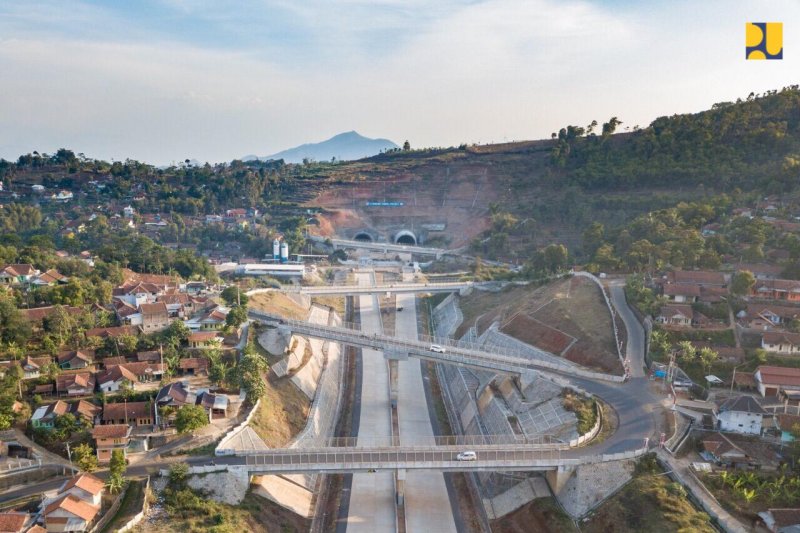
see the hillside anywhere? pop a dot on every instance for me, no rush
(344, 147)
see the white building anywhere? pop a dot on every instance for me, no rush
(275, 270)
(742, 414)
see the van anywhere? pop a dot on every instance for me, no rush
(466, 456)
(436, 348)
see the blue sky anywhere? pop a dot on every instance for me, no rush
(165, 80)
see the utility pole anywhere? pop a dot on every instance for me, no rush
(69, 454)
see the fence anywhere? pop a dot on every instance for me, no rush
(220, 449)
(592, 433)
(130, 524)
(15, 465)
(611, 310)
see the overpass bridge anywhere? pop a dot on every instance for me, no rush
(436, 349)
(395, 288)
(439, 458)
(386, 247)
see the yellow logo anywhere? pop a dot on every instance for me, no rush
(764, 40)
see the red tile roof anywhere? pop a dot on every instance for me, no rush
(91, 484)
(111, 431)
(74, 505)
(117, 331)
(779, 375)
(13, 522)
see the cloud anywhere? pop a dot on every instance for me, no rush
(214, 80)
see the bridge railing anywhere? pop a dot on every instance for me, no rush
(542, 441)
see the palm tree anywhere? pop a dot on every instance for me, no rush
(114, 484)
(748, 495)
(686, 351)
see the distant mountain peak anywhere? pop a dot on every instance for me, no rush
(345, 146)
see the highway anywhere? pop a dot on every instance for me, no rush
(427, 503)
(372, 504)
(387, 247)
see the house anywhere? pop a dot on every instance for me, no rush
(75, 360)
(108, 362)
(741, 414)
(136, 293)
(761, 270)
(776, 289)
(177, 304)
(109, 438)
(179, 393)
(204, 339)
(127, 314)
(780, 342)
(45, 416)
(214, 319)
(45, 389)
(712, 295)
(17, 274)
(78, 384)
(675, 315)
(37, 315)
(785, 423)
(112, 332)
(150, 356)
(32, 367)
(85, 487)
(115, 378)
(682, 293)
(15, 522)
(129, 413)
(49, 278)
(193, 366)
(69, 513)
(703, 278)
(195, 287)
(767, 316)
(155, 317)
(738, 452)
(85, 410)
(790, 397)
(781, 520)
(770, 380)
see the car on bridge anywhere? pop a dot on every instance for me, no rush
(467, 456)
(436, 348)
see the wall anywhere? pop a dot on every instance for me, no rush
(130, 524)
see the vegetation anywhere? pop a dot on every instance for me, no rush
(747, 493)
(117, 468)
(650, 502)
(84, 457)
(190, 418)
(585, 410)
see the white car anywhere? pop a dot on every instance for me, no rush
(436, 348)
(466, 456)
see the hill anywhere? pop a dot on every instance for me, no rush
(344, 147)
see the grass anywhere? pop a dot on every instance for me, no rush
(131, 505)
(283, 410)
(542, 515)
(278, 303)
(585, 410)
(334, 302)
(650, 502)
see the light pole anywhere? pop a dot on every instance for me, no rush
(733, 378)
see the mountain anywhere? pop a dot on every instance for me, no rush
(344, 147)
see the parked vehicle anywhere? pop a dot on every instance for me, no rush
(466, 456)
(400, 308)
(436, 348)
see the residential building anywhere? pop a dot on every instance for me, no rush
(75, 360)
(675, 315)
(86, 410)
(69, 513)
(32, 367)
(155, 317)
(180, 393)
(204, 339)
(761, 270)
(777, 289)
(113, 332)
(37, 315)
(129, 413)
(85, 487)
(780, 342)
(704, 278)
(115, 378)
(77, 384)
(768, 316)
(18, 274)
(742, 414)
(785, 423)
(781, 520)
(49, 278)
(214, 319)
(771, 380)
(15, 522)
(738, 452)
(45, 415)
(109, 438)
(193, 366)
(682, 293)
(137, 293)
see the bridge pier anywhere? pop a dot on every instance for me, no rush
(579, 489)
(393, 382)
(400, 485)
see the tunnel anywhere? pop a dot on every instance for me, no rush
(405, 237)
(363, 236)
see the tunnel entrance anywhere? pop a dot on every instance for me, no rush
(405, 237)
(363, 237)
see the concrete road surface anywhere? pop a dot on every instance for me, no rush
(635, 347)
(427, 503)
(372, 495)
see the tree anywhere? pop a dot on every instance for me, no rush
(178, 472)
(406, 146)
(190, 417)
(250, 372)
(233, 295)
(13, 325)
(85, 457)
(236, 317)
(707, 357)
(117, 468)
(742, 283)
(686, 351)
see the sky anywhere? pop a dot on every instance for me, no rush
(214, 80)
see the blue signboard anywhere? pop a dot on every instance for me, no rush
(385, 204)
